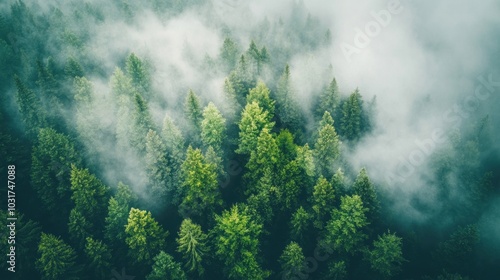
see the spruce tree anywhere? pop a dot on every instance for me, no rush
(192, 244)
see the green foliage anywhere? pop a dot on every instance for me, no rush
(253, 120)
(365, 189)
(236, 244)
(158, 168)
(52, 158)
(57, 260)
(232, 105)
(30, 107)
(79, 228)
(344, 232)
(386, 256)
(323, 201)
(263, 159)
(456, 252)
(98, 256)
(337, 270)
(118, 211)
(351, 117)
(165, 267)
(327, 146)
(142, 123)
(300, 223)
(286, 106)
(145, 237)
(139, 75)
(89, 194)
(329, 98)
(261, 95)
(229, 53)
(201, 190)
(292, 260)
(213, 128)
(192, 108)
(192, 244)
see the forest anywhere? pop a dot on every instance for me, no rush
(230, 139)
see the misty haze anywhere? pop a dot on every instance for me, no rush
(231, 139)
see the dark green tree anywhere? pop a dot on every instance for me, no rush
(300, 224)
(89, 194)
(79, 228)
(327, 146)
(139, 75)
(165, 267)
(99, 257)
(351, 117)
(237, 244)
(386, 257)
(213, 128)
(366, 190)
(30, 107)
(118, 211)
(329, 99)
(57, 260)
(323, 201)
(192, 244)
(263, 158)
(229, 53)
(144, 236)
(344, 232)
(287, 107)
(159, 168)
(192, 107)
(52, 157)
(292, 260)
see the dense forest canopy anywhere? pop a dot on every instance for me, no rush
(231, 139)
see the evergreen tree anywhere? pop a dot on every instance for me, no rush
(344, 232)
(300, 223)
(79, 228)
(98, 256)
(142, 123)
(253, 120)
(386, 256)
(192, 244)
(261, 95)
(365, 189)
(323, 201)
(192, 107)
(52, 157)
(229, 53)
(351, 117)
(287, 108)
(165, 267)
(201, 190)
(57, 260)
(237, 244)
(292, 260)
(118, 211)
(263, 159)
(145, 237)
(139, 75)
(329, 99)
(327, 147)
(89, 194)
(213, 128)
(158, 168)
(339, 185)
(30, 107)
(232, 105)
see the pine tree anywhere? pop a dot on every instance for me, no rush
(329, 99)
(253, 120)
(98, 256)
(165, 267)
(351, 117)
(261, 95)
(344, 232)
(89, 194)
(145, 237)
(192, 244)
(300, 223)
(263, 158)
(73, 69)
(365, 189)
(213, 128)
(193, 110)
(201, 191)
(386, 257)
(323, 201)
(139, 75)
(57, 259)
(30, 107)
(237, 244)
(118, 211)
(51, 167)
(229, 53)
(339, 185)
(286, 106)
(142, 123)
(158, 168)
(232, 105)
(292, 260)
(327, 147)
(79, 228)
